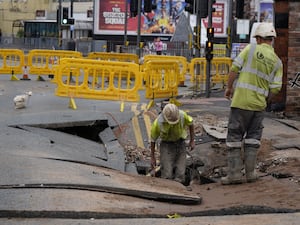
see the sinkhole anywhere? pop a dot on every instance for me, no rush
(97, 131)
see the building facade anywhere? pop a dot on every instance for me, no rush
(14, 13)
(286, 17)
(293, 58)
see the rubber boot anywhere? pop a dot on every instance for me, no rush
(234, 174)
(250, 163)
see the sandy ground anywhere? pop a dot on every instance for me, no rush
(278, 187)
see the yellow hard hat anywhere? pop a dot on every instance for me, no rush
(171, 113)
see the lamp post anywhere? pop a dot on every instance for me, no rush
(208, 64)
(138, 39)
(229, 30)
(59, 25)
(125, 23)
(71, 14)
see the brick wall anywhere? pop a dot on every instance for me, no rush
(293, 70)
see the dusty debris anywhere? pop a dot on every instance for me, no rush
(210, 157)
(137, 155)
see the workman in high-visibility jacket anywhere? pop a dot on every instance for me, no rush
(171, 127)
(259, 79)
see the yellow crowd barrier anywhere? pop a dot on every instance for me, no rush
(11, 62)
(100, 80)
(220, 67)
(122, 57)
(42, 62)
(182, 61)
(161, 79)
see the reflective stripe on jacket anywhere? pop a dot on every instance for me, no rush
(167, 132)
(260, 72)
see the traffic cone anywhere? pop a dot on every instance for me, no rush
(25, 74)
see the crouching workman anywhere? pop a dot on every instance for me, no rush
(171, 127)
(260, 77)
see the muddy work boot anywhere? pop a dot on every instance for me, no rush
(234, 174)
(250, 164)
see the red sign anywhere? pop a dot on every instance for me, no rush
(218, 19)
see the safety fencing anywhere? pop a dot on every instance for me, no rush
(121, 57)
(220, 68)
(161, 80)
(112, 76)
(180, 60)
(11, 62)
(36, 62)
(95, 79)
(42, 62)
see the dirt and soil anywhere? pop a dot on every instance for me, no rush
(278, 187)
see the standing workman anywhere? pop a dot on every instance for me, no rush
(260, 78)
(171, 127)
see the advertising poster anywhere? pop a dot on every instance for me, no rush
(266, 12)
(218, 19)
(110, 17)
(237, 48)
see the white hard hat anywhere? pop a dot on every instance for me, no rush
(171, 113)
(265, 30)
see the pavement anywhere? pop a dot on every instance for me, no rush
(46, 108)
(266, 219)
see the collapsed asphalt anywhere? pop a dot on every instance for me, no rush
(19, 143)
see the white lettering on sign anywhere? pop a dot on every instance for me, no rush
(114, 17)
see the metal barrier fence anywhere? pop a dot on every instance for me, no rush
(87, 45)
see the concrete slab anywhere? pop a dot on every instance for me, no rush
(72, 141)
(107, 135)
(116, 155)
(29, 144)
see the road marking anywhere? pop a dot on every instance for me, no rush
(136, 126)
(147, 122)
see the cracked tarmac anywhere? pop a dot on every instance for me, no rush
(277, 190)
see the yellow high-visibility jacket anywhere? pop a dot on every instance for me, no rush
(260, 73)
(167, 132)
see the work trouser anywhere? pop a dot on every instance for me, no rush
(173, 160)
(244, 125)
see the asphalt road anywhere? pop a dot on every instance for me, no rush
(46, 108)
